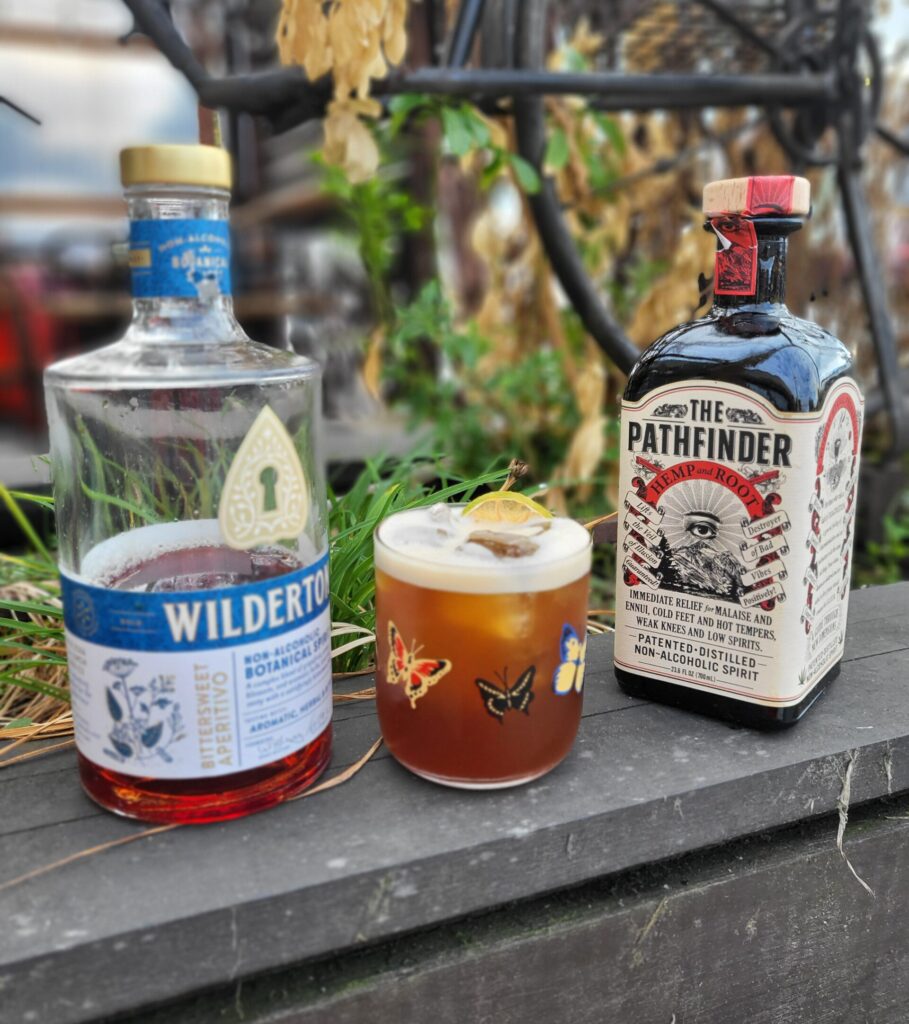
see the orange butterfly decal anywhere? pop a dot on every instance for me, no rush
(417, 674)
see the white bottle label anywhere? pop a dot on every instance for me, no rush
(195, 684)
(735, 539)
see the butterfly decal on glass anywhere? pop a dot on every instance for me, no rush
(499, 699)
(415, 673)
(569, 675)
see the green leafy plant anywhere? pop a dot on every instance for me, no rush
(464, 130)
(31, 627)
(885, 561)
(434, 364)
(525, 408)
(380, 211)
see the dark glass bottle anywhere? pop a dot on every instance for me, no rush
(709, 468)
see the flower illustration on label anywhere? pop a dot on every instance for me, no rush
(146, 718)
(265, 498)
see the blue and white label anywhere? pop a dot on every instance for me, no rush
(179, 258)
(195, 684)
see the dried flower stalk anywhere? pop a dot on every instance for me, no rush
(355, 41)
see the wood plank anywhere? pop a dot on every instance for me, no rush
(388, 853)
(876, 625)
(40, 800)
(772, 931)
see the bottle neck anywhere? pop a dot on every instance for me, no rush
(772, 246)
(179, 254)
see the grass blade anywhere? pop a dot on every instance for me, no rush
(24, 525)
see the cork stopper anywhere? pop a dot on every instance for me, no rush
(778, 195)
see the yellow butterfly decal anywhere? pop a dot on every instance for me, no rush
(569, 675)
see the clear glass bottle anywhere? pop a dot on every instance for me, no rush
(740, 450)
(192, 526)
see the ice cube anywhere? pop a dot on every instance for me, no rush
(503, 545)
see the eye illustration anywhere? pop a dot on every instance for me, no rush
(702, 525)
(700, 513)
(702, 531)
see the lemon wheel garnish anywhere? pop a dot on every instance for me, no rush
(505, 507)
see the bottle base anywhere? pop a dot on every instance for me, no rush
(202, 801)
(754, 716)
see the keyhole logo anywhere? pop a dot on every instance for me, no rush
(268, 478)
(266, 496)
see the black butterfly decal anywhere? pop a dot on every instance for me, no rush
(499, 699)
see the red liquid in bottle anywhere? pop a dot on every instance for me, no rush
(218, 798)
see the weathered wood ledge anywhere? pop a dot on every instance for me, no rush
(386, 855)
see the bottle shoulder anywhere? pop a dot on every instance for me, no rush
(132, 363)
(789, 361)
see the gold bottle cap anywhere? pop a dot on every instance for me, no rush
(778, 195)
(176, 165)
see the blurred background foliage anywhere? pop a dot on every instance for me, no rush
(394, 242)
(484, 352)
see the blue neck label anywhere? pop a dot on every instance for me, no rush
(187, 259)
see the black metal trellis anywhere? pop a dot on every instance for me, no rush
(812, 65)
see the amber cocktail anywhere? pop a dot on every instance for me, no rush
(481, 642)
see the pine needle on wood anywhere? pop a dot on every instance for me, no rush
(46, 869)
(368, 694)
(29, 754)
(336, 780)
